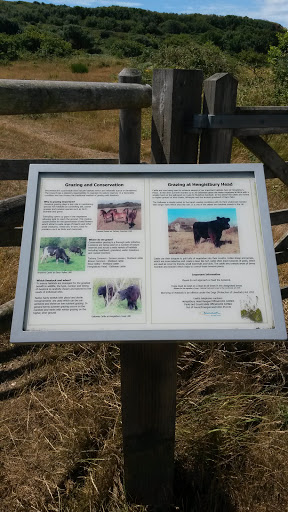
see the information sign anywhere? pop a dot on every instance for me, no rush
(146, 252)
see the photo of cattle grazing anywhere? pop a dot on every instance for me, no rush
(62, 254)
(107, 291)
(132, 294)
(116, 297)
(76, 250)
(58, 252)
(203, 231)
(114, 216)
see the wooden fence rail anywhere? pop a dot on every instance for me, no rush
(38, 97)
(19, 169)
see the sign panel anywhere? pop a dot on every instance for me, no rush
(147, 253)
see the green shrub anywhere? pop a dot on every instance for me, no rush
(207, 57)
(126, 48)
(79, 67)
(53, 46)
(278, 59)
(8, 48)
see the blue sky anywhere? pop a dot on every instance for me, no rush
(271, 10)
(202, 214)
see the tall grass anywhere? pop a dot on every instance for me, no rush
(60, 429)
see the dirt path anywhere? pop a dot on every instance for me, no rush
(25, 138)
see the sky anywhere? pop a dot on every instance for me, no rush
(271, 10)
(202, 214)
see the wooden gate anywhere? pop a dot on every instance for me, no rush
(183, 131)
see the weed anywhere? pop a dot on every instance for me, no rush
(79, 67)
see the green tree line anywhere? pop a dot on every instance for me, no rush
(59, 30)
(65, 242)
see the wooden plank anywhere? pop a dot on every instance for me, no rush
(220, 94)
(10, 237)
(251, 132)
(40, 96)
(238, 122)
(148, 390)
(12, 211)
(271, 110)
(282, 257)
(269, 174)
(282, 243)
(279, 217)
(6, 312)
(268, 156)
(284, 292)
(18, 169)
(176, 97)
(129, 123)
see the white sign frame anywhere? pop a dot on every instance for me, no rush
(19, 335)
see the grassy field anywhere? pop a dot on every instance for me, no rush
(60, 426)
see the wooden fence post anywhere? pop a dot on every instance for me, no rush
(129, 123)
(220, 94)
(176, 96)
(148, 370)
(148, 380)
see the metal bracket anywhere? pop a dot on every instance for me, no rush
(235, 122)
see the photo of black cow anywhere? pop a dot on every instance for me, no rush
(107, 291)
(203, 231)
(212, 229)
(132, 294)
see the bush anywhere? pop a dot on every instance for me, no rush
(8, 48)
(79, 38)
(278, 58)
(53, 46)
(126, 49)
(79, 67)
(207, 57)
(45, 45)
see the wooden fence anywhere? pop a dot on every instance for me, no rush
(183, 131)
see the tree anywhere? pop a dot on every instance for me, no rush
(78, 37)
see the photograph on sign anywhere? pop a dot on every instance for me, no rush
(129, 254)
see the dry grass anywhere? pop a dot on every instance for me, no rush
(60, 424)
(58, 135)
(183, 243)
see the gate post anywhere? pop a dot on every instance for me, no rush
(220, 95)
(129, 123)
(148, 379)
(176, 96)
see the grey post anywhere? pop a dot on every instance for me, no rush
(220, 94)
(176, 96)
(150, 413)
(148, 383)
(130, 123)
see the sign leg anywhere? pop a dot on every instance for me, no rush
(148, 391)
